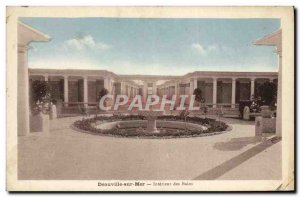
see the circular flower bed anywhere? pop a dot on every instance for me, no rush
(134, 126)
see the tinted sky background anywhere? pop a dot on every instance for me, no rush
(153, 46)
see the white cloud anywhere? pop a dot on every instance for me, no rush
(85, 42)
(205, 50)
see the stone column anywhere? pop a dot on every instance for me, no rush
(145, 92)
(154, 88)
(279, 97)
(176, 89)
(191, 87)
(215, 80)
(112, 88)
(85, 90)
(252, 87)
(130, 91)
(66, 90)
(122, 88)
(233, 92)
(107, 84)
(23, 92)
(46, 77)
(195, 83)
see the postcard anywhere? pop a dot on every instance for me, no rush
(150, 99)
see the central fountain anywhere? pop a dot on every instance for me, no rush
(151, 116)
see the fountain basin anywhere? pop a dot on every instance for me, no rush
(137, 126)
(142, 124)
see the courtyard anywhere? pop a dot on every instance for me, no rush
(66, 154)
(193, 100)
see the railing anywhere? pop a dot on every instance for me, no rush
(218, 105)
(84, 108)
(69, 104)
(75, 104)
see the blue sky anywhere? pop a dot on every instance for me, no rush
(153, 46)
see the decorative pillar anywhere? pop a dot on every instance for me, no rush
(112, 87)
(66, 90)
(191, 87)
(233, 87)
(252, 87)
(215, 80)
(176, 88)
(154, 88)
(145, 92)
(195, 83)
(23, 92)
(85, 91)
(130, 91)
(107, 84)
(25, 35)
(46, 77)
(279, 96)
(122, 88)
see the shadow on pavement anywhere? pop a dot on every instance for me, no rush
(238, 121)
(238, 143)
(237, 160)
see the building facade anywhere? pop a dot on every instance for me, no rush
(218, 88)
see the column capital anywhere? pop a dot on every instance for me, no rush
(66, 76)
(234, 78)
(215, 78)
(252, 78)
(85, 77)
(22, 48)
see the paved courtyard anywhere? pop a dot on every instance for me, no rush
(68, 154)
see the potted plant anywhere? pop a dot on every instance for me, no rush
(102, 93)
(198, 95)
(40, 104)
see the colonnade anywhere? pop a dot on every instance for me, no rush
(172, 88)
(125, 88)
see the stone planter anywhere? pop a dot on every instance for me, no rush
(246, 113)
(265, 111)
(39, 123)
(264, 125)
(53, 112)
